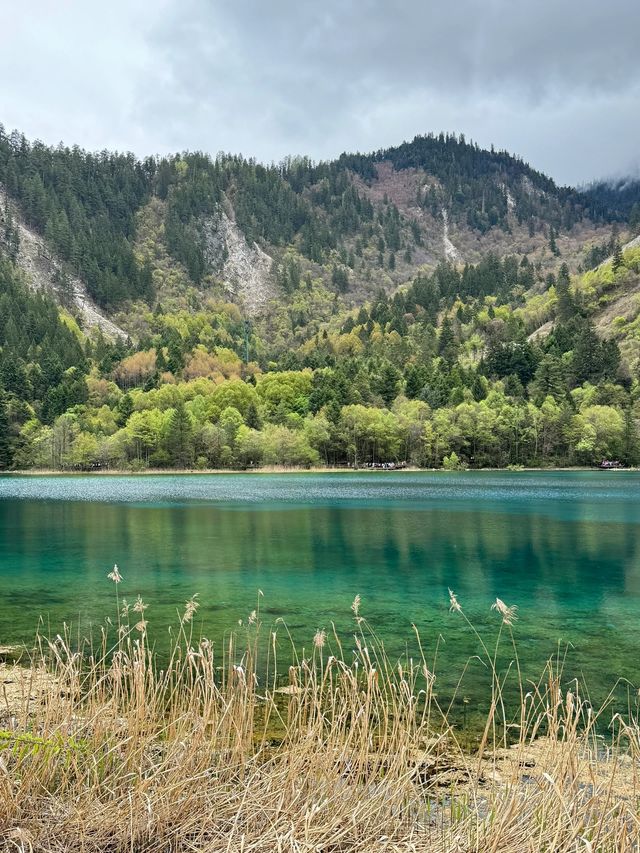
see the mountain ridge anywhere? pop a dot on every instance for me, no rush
(378, 308)
(354, 224)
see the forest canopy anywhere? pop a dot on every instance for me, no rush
(441, 374)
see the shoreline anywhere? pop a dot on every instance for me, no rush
(283, 469)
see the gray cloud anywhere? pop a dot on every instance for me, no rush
(557, 81)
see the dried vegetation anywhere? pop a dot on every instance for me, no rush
(119, 750)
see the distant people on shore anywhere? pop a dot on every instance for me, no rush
(383, 466)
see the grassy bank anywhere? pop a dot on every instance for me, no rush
(104, 747)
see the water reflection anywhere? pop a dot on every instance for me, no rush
(565, 550)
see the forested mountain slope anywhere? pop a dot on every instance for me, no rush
(47, 272)
(619, 198)
(431, 303)
(182, 227)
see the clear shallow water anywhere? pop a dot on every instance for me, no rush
(564, 547)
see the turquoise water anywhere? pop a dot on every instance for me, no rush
(564, 547)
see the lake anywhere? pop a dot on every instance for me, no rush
(563, 546)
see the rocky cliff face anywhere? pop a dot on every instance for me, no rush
(44, 272)
(245, 270)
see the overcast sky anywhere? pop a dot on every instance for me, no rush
(556, 81)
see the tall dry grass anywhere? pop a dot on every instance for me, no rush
(205, 751)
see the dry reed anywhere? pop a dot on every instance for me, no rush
(205, 751)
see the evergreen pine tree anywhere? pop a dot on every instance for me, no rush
(161, 361)
(388, 383)
(175, 360)
(618, 259)
(566, 307)
(6, 456)
(478, 388)
(124, 409)
(252, 418)
(415, 381)
(586, 361)
(549, 378)
(447, 346)
(178, 441)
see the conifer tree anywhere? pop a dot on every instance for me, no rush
(447, 347)
(6, 456)
(178, 441)
(566, 307)
(618, 259)
(252, 418)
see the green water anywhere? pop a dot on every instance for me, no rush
(564, 547)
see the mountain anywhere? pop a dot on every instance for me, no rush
(178, 229)
(616, 199)
(433, 302)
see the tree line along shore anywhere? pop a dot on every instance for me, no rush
(403, 380)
